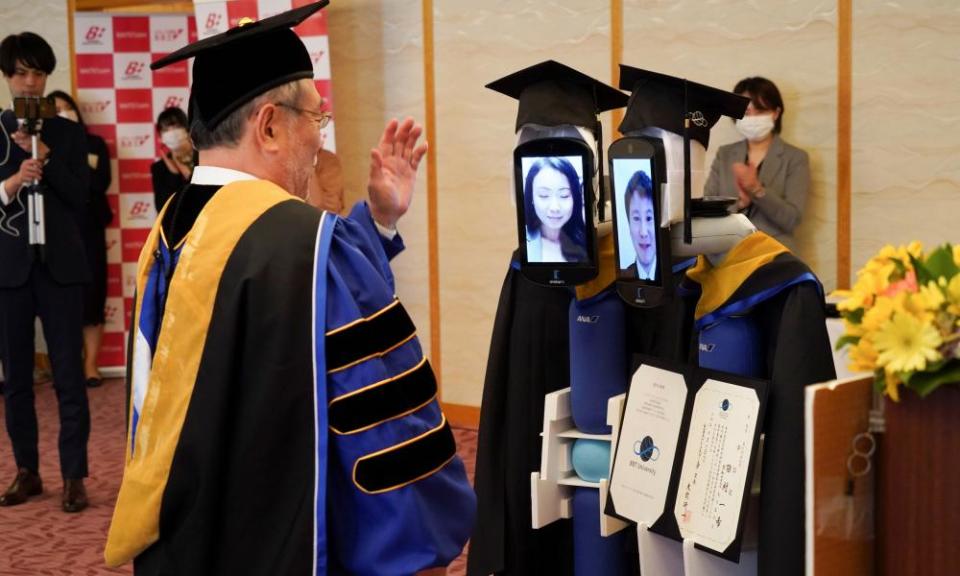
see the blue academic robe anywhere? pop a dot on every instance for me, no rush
(283, 419)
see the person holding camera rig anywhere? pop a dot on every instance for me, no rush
(44, 280)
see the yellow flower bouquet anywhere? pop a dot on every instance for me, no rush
(902, 318)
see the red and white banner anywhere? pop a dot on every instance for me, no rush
(120, 99)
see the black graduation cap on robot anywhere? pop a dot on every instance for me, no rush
(553, 94)
(662, 101)
(679, 106)
(233, 68)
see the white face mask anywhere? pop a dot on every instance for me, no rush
(755, 128)
(173, 139)
(69, 115)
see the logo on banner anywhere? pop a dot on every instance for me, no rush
(173, 102)
(131, 35)
(139, 211)
(94, 35)
(94, 71)
(134, 70)
(114, 280)
(130, 276)
(134, 172)
(135, 181)
(164, 98)
(111, 349)
(136, 217)
(114, 254)
(318, 47)
(213, 21)
(129, 285)
(134, 106)
(113, 314)
(134, 141)
(169, 35)
(96, 107)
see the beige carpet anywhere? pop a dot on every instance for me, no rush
(37, 538)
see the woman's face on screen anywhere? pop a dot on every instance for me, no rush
(641, 227)
(552, 198)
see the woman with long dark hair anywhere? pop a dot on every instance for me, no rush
(553, 209)
(93, 224)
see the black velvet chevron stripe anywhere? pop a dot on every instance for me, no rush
(383, 401)
(368, 337)
(404, 464)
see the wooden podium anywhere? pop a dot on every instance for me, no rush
(839, 539)
(919, 485)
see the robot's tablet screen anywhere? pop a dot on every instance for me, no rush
(637, 219)
(554, 211)
(643, 246)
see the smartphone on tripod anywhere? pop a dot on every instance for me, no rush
(30, 113)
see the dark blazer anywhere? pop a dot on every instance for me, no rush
(632, 272)
(785, 175)
(99, 213)
(165, 183)
(66, 178)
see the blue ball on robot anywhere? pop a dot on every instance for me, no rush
(591, 459)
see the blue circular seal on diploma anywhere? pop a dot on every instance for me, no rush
(646, 450)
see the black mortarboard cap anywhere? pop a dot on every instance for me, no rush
(680, 106)
(662, 101)
(552, 94)
(233, 68)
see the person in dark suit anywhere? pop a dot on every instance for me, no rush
(93, 225)
(47, 283)
(173, 170)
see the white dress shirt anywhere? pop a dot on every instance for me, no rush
(647, 272)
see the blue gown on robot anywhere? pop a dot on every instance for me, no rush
(760, 313)
(599, 370)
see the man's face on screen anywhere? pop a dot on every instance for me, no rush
(642, 227)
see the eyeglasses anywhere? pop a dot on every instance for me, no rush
(321, 118)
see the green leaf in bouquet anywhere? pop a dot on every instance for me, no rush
(854, 317)
(923, 275)
(931, 368)
(923, 383)
(901, 269)
(879, 381)
(940, 263)
(845, 340)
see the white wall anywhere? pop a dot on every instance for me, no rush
(48, 18)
